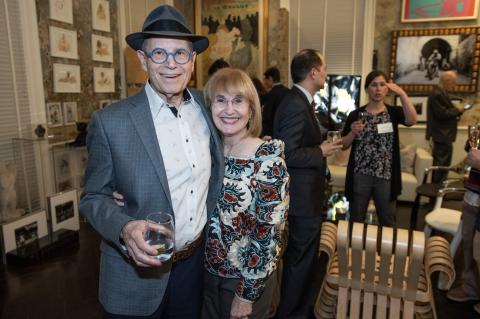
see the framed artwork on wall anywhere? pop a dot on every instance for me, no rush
(102, 48)
(236, 34)
(101, 15)
(24, 231)
(428, 10)
(420, 104)
(66, 78)
(418, 57)
(63, 209)
(61, 10)
(63, 43)
(103, 80)
(54, 114)
(69, 113)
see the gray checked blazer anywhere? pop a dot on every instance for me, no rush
(124, 155)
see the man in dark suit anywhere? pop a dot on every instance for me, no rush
(442, 117)
(305, 153)
(272, 99)
(160, 150)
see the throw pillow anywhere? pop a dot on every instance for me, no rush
(407, 158)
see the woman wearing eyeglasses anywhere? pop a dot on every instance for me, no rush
(244, 231)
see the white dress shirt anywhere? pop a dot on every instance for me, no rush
(184, 142)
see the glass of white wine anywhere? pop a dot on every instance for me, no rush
(160, 234)
(332, 136)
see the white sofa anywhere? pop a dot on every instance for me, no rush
(410, 181)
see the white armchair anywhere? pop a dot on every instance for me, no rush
(410, 181)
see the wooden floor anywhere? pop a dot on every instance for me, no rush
(65, 285)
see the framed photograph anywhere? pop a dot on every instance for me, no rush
(66, 78)
(69, 113)
(23, 231)
(104, 103)
(54, 114)
(63, 169)
(103, 80)
(63, 209)
(428, 10)
(419, 56)
(63, 43)
(61, 10)
(101, 15)
(102, 48)
(420, 104)
(236, 34)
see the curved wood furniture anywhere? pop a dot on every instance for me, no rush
(374, 273)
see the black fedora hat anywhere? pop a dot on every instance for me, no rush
(166, 21)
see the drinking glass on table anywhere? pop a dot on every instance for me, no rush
(160, 234)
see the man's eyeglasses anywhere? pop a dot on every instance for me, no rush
(160, 56)
(223, 102)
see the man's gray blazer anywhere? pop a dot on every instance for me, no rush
(124, 156)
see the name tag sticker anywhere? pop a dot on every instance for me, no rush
(385, 128)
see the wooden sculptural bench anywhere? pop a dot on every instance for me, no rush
(373, 276)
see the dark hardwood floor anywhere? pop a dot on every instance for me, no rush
(65, 284)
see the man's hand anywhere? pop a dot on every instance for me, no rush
(357, 128)
(240, 309)
(473, 158)
(330, 148)
(141, 253)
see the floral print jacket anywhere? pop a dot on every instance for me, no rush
(245, 228)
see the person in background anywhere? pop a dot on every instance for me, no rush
(469, 288)
(305, 155)
(374, 164)
(442, 117)
(272, 99)
(245, 228)
(217, 65)
(261, 90)
(160, 150)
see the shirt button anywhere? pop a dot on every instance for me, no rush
(193, 165)
(191, 192)
(186, 140)
(191, 218)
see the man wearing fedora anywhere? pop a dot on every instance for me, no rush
(159, 149)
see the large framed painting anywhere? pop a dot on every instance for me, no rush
(436, 10)
(235, 30)
(419, 56)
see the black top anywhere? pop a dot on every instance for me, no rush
(397, 117)
(442, 117)
(271, 101)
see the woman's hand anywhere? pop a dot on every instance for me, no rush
(240, 309)
(357, 128)
(395, 88)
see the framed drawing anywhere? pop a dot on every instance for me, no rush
(101, 15)
(418, 57)
(54, 114)
(24, 231)
(103, 80)
(420, 104)
(63, 209)
(428, 10)
(69, 113)
(61, 10)
(102, 48)
(63, 43)
(66, 78)
(104, 103)
(235, 31)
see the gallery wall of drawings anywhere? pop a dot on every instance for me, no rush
(80, 60)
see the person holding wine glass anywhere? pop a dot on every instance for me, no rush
(243, 242)
(374, 164)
